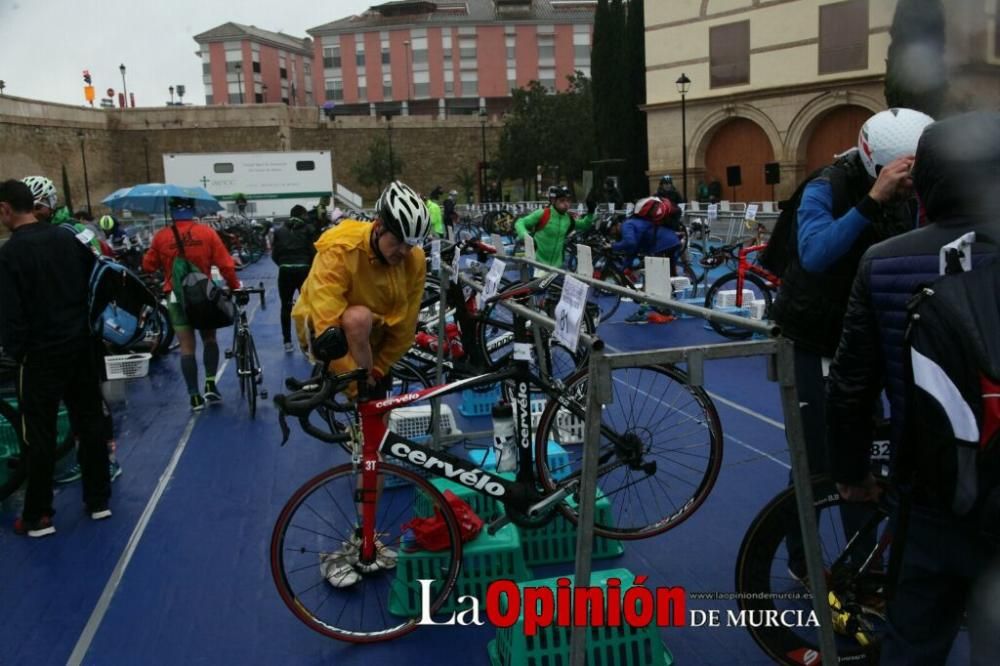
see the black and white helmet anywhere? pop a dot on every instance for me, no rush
(403, 213)
(43, 190)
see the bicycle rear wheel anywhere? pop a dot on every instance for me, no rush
(253, 374)
(607, 301)
(752, 284)
(660, 449)
(312, 567)
(764, 583)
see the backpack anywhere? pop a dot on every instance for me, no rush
(952, 424)
(546, 216)
(120, 305)
(205, 304)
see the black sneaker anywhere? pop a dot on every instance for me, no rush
(212, 395)
(197, 403)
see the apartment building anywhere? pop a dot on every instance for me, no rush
(243, 64)
(785, 82)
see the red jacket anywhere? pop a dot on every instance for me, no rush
(202, 247)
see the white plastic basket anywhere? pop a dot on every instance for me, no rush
(415, 422)
(127, 366)
(569, 426)
(757, 309)
(727, 298)
(679, 284)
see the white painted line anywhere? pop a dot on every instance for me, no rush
(746, 410)
(108, 593)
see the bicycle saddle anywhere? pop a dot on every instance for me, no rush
(329, 345)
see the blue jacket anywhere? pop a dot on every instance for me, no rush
(642, 237)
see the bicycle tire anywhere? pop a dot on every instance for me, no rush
(495, 339)
(607, 302)
(763, 583)
(728, 281)
(166, 338)
(254, 375)
(322, 514)
(655, 412)
(695, 253)
(240, 355)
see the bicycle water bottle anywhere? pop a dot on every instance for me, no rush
(504, 447)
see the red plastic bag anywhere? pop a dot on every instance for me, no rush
(432, 533)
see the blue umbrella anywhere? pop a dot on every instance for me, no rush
(153, 198)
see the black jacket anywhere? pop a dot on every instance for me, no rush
(44, 279)
(293, 244)
(958, 195)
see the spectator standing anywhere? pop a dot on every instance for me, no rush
(863, 197)
(293, 252)
(44, 273)
(943, 573)
(204, 249)
(612, 195)
(434, 210)
(450, 213)
(549, 226)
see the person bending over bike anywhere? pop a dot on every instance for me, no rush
(551, 225)
(368, 279)
(643, 233)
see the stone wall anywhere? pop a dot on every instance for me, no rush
(124, 148)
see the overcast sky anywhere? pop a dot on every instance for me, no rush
(46, 44)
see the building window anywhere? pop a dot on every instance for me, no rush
(547, 77)
(331, 57)
(206, 69)
(546, 49)
(467, 48)
(449, 87)
(335, 89)
(259, 98)
(255, 66)
(359, 56)
(283, 73)
(387, 90)
(362, 88)
(729, 54)
(209, 100)
(385, 55)
(307, 69)
(234, 98)
(843, 36)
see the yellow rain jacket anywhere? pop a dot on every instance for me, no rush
(346, 272)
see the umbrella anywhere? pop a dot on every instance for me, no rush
(153, 198)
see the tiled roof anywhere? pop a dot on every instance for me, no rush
(239, 31)
(459, 12)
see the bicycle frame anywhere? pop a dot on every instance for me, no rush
(745, 266)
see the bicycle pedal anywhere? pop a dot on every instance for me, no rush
(263, 394)
(229, 353)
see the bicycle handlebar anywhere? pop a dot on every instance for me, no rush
(307, 396)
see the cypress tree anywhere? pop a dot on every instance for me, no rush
(637, 153)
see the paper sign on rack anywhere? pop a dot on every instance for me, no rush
(497, 242)
(584, 261)
(529, 247)
(492, 282)
(657, 271)
(713, 211)
(629, 207)
(751, 212)
(436, 255)
(454, 265)
(569, 312)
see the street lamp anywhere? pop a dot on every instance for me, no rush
(683, 85)
(388, 128)
(171, 89)
(2, 86)
(121, 68)
(86, 180)
(180, 93)
(482, 164)
(239, 79)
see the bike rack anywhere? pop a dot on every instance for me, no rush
(781, 368)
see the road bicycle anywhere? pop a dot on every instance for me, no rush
(854, 566)
(248, 367)
(734, 289)
(659, 456)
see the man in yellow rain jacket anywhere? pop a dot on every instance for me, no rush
(368, 279)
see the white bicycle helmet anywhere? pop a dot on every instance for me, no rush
(403, 213)
(889, 135)
(43, 190)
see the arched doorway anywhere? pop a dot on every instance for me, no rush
(834, 133)
(740, 142)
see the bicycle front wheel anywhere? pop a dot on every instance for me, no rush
(853, 564)
(659, 454)
(252, 373)
(716, 299)
(316, 566)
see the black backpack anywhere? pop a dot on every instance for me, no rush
(951, 448)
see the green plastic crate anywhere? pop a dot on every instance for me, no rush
(606, 646)
(484, 559)
(9, 446)
(555, 541)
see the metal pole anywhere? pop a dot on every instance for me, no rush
(121, 68)
(684, 146)
(86, 178)
(392, 166)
